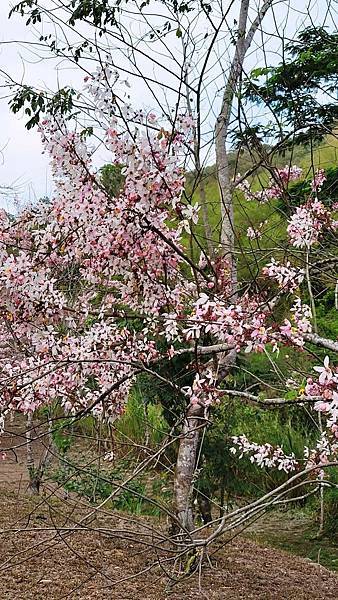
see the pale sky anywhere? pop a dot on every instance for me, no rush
(22, 163)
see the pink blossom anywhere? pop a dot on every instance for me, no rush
(253, 234)
(286, 329)
(289, 278)
(325, 372)
(318, 180)
(276, 185)
(308, 223)
(264, 455)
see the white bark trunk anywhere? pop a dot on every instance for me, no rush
(185, 466)
(244, 40)
(187, 453)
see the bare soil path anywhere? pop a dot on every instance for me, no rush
(42, 563)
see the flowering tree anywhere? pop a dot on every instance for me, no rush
(73, 270)
(97, 289)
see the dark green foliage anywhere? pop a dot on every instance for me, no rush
(218, 469)
(290, 89)
(62, 438)
(172, 401)
(112, 179)
(35, 104)
(88, 482)
(299, 192)
(327, 314)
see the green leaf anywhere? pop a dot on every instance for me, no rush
(291, 395)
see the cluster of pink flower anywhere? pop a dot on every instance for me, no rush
(288, 174)
(324, 451)
(311, 219)
(264, 455)
(101, 85)
(253, 234)
(110, 238)
(309, 222)
(301, 317)
(318, 180)
(268, 456)
(84, 256)
(276, 186)
(288, 278)
(203, 389)
(65, 367)
(241, 325)
(326, 447)
(326, 387)
(28, 288)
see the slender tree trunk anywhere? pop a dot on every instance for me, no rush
(185, 465)
(206, 216)
(321, 492)
(244, 39)
(50, 451)
(37, 469)
(189, 441)
(227, 235)
(33, 485)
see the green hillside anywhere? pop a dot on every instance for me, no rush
(252, 214)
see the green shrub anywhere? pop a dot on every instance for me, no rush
(97, 484)
(142, 420)
(331, 506)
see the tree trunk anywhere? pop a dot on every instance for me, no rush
(189, 441)
(204, 506)
(244, 39)
(205, 215)
(185, 465)
(221, 133)
(37, 469)
(34, 483)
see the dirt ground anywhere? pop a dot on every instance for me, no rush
(42, 559)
